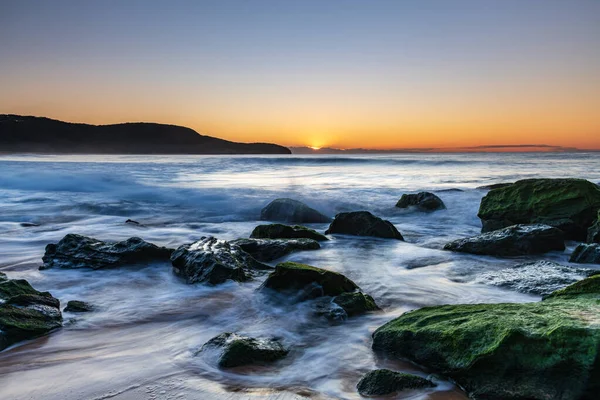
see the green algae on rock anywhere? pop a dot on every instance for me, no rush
(355, 303)
(381, 382)
(281, 231)
(235, 350)
(569, 204)
(544, 350)
(25, 313)
(76, 306)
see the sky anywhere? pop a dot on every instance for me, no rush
(339, 73)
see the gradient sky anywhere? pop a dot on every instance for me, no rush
(345, 73)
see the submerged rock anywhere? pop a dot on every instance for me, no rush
(76, 251)
(537, 277)
(291, 276)
(423, 201)
(383, 382)
(25, 313)
(289, 210)
(512, 241)
(568, 204)
(363, 223)
(594, 232)
(494, 186)
(280, 231)
(236, 350)
(586, 254)
(544, 350)
(76, 306)
(355, 303)
(214, 261)
(272, 249)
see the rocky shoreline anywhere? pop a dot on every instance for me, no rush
(493, 351)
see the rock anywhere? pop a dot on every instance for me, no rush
(76, 306)
(382, 382)
(586, 254)
(355, 303)
(280, 231)
(537, 277)
(363, 223)
(271, 249)
(289, 210)
(568, 204)
(235, 350)
(423, 201)
(28, 224)
(25, 313)
(214, 261)
(291, 276)
(494, 186)
(594, 232)
(507, 351)
(132, 222)
(512, 241)
(76, 251)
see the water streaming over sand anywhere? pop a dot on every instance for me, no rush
(141, 342)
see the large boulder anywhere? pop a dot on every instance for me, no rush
(594, 231)
(76, 251)
(214, 261)
(383, 382)
(423, 201)
(568, 204)
(586, 254)
(363, 223)
(544, 350)
(271, 249)
(234, 350)
(25, 313)
(515, 240)
(289, 210)
(280, 231)
(537, 277)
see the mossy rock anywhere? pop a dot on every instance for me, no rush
(383, 382)
(355, 303)
(363, 223)
(544, 350)
(25, 313)
(291, 276)
(568, 204)
(236, 350)
(594, 231)
(281, 231)
(76, 306)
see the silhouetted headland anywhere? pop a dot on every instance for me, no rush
(25, 134)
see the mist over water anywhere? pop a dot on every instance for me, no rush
(141, 343)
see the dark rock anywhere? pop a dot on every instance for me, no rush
(423, 201)
(132, 222)
(289, 210)
(507, 351)
(355, 303)
(76, 306)
(280, 231)
(450, 190)
(512, 241)
(594, 231)
(214, 261)
(28, 224)
(537, 277)
(272, 249)
(291, 276)
(586, 254)
(76, 251)
(363, 223)
(25, 313)
(569, 204)
(494, 186)
(383, 382)
(235, 350)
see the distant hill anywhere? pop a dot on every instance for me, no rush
(24, 134)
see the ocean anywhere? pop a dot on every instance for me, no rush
(142, 341)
